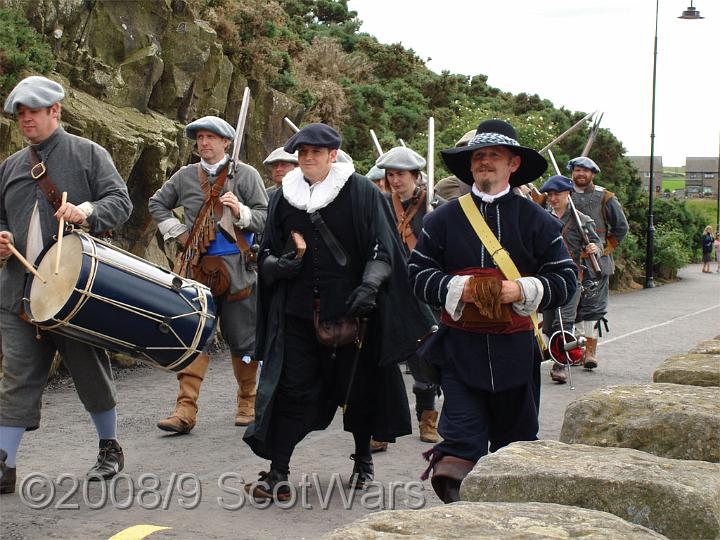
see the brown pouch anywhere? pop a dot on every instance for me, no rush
(336, 332)
(211, 271)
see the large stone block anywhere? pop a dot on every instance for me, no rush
(698, 369)
(711, 346)
(492, 520)
(677, 498)
(670, 420)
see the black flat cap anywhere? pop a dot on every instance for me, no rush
(314, 135)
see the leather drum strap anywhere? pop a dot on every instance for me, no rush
(499, 254)
(40, 175)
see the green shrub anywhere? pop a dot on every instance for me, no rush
(671, 253)
(21, 49)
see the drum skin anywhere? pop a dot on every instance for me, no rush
(113, 300)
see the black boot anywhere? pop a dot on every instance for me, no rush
(110, 460)
(266, 486)
(7, 475)
(363, 471)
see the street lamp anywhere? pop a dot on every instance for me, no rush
(690, 13)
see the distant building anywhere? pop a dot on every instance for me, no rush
(701, 175)
(642, 164)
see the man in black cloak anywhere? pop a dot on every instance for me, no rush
(352, 266)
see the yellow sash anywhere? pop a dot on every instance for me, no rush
(499, 254)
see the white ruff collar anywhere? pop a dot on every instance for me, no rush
(302, 196)
(489, 198)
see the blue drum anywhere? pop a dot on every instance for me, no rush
(114, 300)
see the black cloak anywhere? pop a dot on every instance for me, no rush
(401, 321)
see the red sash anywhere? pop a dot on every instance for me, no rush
(472, 321)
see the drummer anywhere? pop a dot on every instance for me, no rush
(97, 200)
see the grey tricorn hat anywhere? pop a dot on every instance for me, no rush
(584, 162)
(210, 123)
(279, 154)
(34, 92)
(495, 133)
(401, 158)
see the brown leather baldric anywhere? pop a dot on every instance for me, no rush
(213, 193)
(404, 217)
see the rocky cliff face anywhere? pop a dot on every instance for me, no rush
(136, 73)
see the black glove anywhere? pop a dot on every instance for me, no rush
(362, 300)
(285, 267)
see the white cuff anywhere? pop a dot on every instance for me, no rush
(532, 291)
(245, 216)
(87, 208)
(171, 228)
(453, 301)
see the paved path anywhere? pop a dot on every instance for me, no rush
(646, 327)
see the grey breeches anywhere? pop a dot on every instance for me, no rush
(26, 365)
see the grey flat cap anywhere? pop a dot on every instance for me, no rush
(401, 158)
(585, 162)
(465, 139)
(343, 157)
(375, 174)
(34, 92)
(279, 154)
(210, 123)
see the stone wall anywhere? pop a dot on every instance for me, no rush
(135, 74)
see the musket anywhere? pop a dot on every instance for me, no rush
(289, 123)
(376, 143)
(535, 195)
(567, 132)
(594, 263)
(431, 164)
(226, 221)
(593, 133)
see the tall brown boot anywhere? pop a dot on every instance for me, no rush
(183, 417)
(589, 359)
(246, 376)
(428, 427)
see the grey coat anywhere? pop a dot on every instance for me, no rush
(79, 166)
(590, 203)
(183, 190)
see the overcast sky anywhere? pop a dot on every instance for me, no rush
(580, 54)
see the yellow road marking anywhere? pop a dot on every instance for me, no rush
(137, 532)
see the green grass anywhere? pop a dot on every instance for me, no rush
(705, 208)
(673, 183)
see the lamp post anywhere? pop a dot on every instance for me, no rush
(690, 13)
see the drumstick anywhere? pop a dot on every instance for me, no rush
(25, 262)
(60, 236)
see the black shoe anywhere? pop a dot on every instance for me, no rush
(363, 471)
(7, 475)
(110, 460)
(266, 486)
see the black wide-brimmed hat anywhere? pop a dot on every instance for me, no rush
(495, 133)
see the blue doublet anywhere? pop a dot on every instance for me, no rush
(485, 371)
